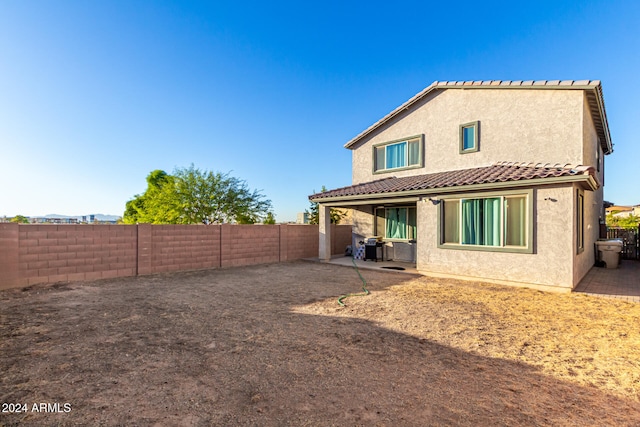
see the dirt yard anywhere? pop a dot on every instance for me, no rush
(269, 346)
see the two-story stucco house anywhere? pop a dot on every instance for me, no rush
(493, 180)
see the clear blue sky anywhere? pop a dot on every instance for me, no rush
(96, 94)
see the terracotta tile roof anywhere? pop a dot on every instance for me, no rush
(521, 83)
(498, 172)
(593, 89)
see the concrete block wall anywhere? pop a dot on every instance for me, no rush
(32, 254)
(340, 239)
(182, 247)
(249, 244)
(9, 256)
(298, 241)
(55, 253)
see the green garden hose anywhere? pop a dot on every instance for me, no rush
(364, 286)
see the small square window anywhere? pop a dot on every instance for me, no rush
(469, 137)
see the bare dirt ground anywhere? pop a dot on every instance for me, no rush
(269, 345)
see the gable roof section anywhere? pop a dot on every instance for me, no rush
(593, 89)
(498, 175)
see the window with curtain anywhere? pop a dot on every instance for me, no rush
(500, 221)
(396, 222)
(480, 222)
(515, 219)
(451, 221)
(398, 154)
(395, 155)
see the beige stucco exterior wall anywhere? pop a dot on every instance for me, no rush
(550, 266)
(519, 125)
(589, 139)
(363, 222)
(540, 126)
(591, 152)
(555, 263)
(584, 260)
(593, 200)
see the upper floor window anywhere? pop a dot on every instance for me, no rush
(469, 137)
(404, 153)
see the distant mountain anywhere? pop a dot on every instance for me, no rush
(101, 217)
(98, 217)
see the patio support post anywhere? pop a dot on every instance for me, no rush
(324, 242)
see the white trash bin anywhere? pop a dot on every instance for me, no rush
(609, 251)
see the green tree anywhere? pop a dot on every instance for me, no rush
(269, 219)
(156, 204)
(194, 196)
(21, 219)
(630, 221)
(313, 212)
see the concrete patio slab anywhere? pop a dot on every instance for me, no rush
(393, 266)
(621, 283)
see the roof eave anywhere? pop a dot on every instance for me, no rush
(588, 182)
(607, 145)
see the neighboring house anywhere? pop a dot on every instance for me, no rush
(623, 211)
(618, 209)
(623, 214)
(493, 180)
(302, 218)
